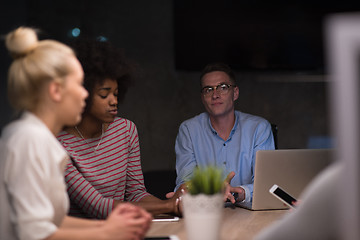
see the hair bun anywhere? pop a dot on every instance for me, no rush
(21, 41)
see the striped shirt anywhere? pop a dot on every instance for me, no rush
(113, 172)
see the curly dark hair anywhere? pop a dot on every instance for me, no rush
(102, 60)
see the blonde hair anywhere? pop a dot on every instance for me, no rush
(35, 63)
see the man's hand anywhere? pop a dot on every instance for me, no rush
(229, 190)
(176, 196)
(170, 194)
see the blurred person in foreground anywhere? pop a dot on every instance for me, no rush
(317, 215)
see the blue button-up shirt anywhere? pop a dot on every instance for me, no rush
(198, 144)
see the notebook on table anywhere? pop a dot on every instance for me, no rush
(291, 169)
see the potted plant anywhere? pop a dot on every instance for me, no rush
(203, 204)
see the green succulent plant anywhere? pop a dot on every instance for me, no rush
(207, 180)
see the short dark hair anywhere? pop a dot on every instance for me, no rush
(218, 66)
(102, 60)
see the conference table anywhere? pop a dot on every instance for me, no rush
(238, 223)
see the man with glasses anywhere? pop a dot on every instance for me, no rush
(221, 136)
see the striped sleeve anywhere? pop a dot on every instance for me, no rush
(85, 196)
(135, 188)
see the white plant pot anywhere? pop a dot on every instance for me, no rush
(202, 216)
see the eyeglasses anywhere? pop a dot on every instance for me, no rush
(222, 88)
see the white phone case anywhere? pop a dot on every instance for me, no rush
(275, 189)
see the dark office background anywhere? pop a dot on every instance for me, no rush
(166, 91)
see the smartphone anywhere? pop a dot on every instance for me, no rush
(165, 218)
(282, 195)
(171, 237)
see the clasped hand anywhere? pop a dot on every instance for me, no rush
(127, 222)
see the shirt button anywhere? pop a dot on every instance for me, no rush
(224, 163)
(224, 144)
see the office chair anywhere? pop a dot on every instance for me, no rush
(274, 130)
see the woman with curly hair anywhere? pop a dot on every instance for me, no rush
(105, 168)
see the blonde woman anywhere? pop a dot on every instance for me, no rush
(45, 85)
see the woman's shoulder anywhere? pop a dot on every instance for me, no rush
(121, 123)
(64, 135)
(121, 120)
(28, 132)
(26, 127)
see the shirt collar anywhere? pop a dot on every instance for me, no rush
(232, 130)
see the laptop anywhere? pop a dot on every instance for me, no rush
(291, 169)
